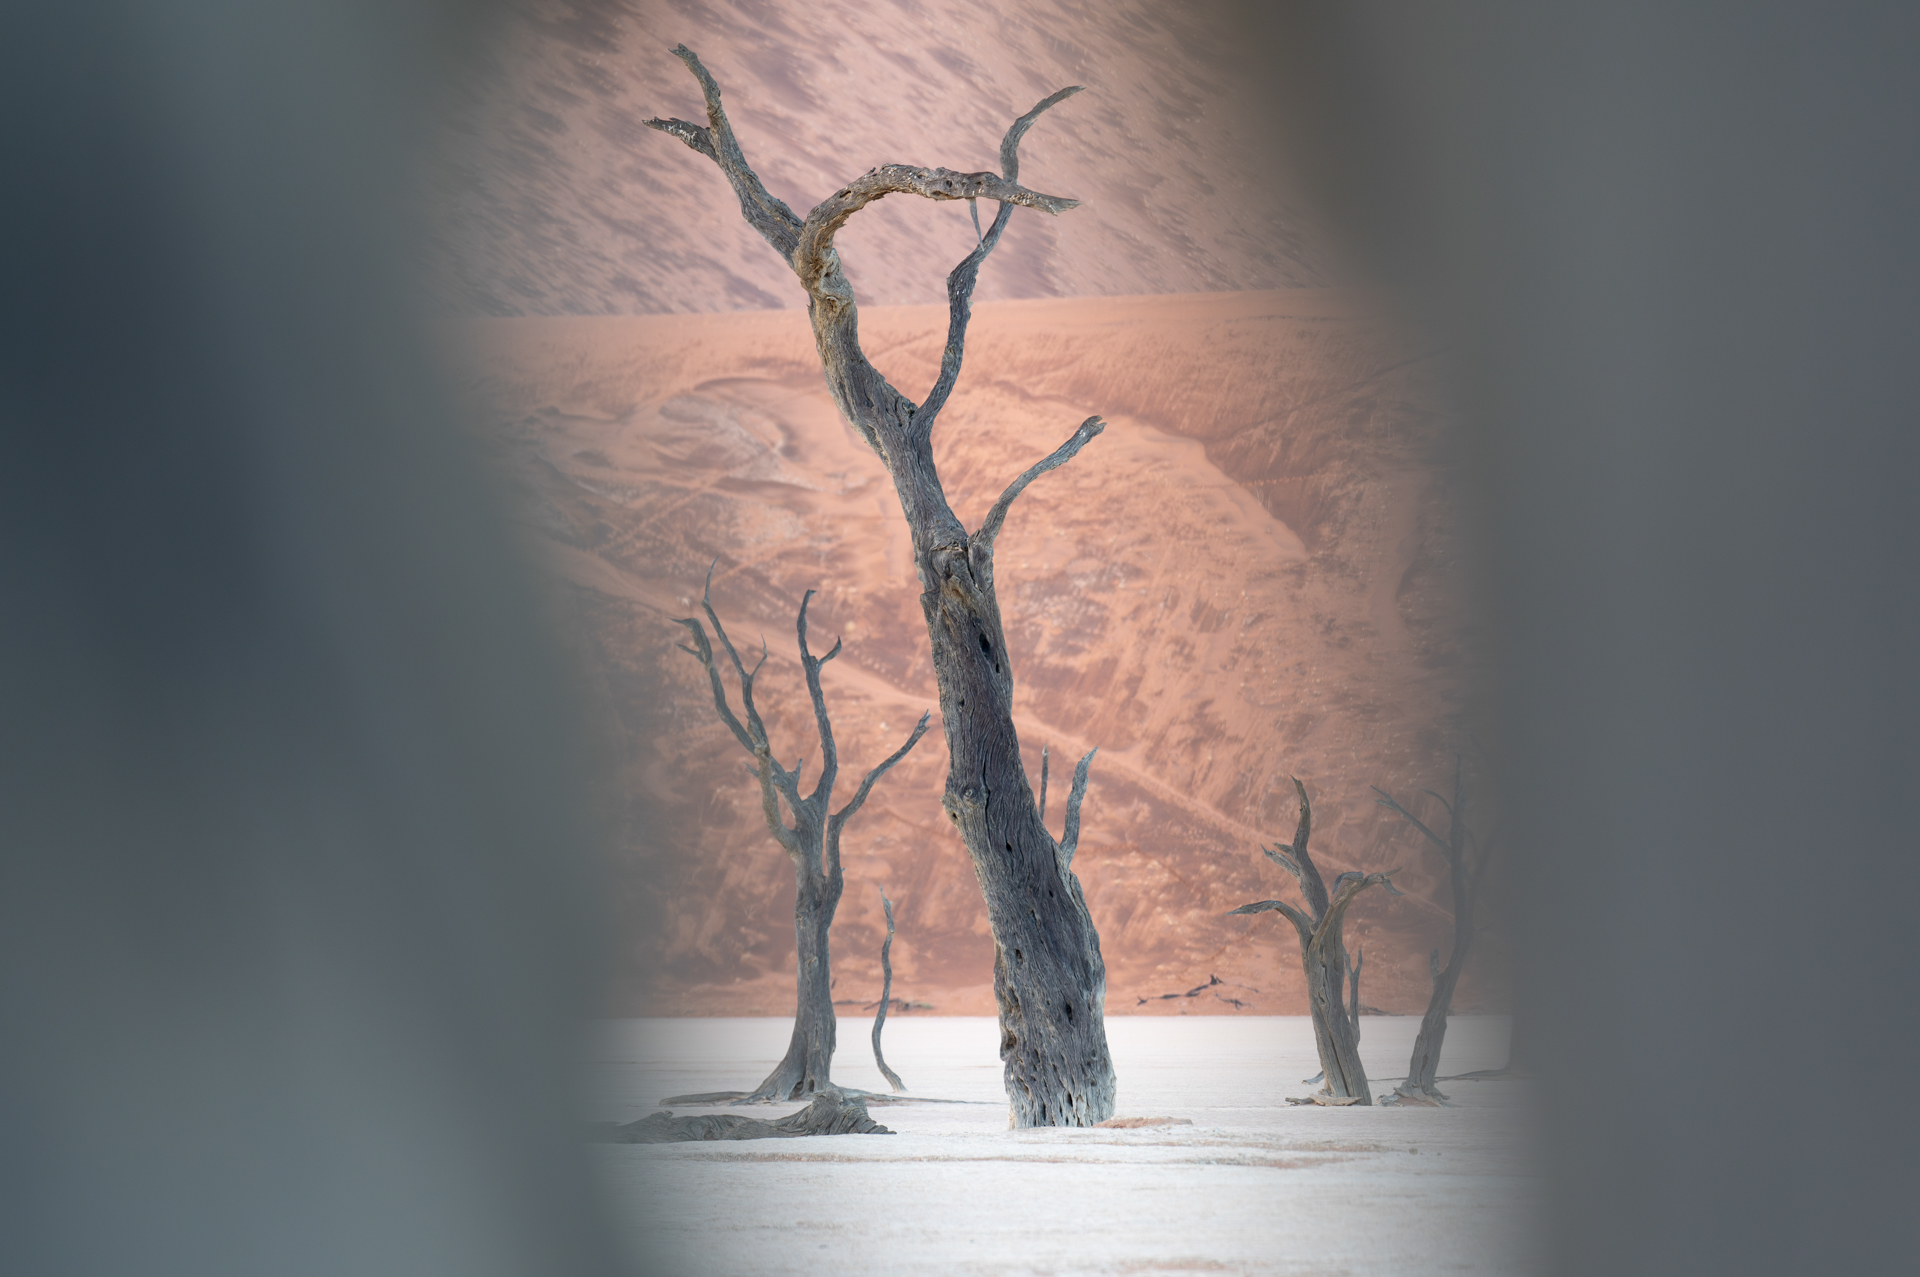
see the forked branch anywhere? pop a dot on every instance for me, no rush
(771, 217)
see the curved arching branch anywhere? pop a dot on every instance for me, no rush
(961, 280)
(766, 214)
(813, 257)
(1301, 923)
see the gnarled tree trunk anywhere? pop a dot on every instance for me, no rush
(812, 842)
(1323, 956)
(1049, 979)
(1424, 1065)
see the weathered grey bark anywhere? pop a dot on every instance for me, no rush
(886, 995)
(1323, 956)
(1465, 880)
(832, 1112)
(1049, 978)
(1353, 991)
(812, 842)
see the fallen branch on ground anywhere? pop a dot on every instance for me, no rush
(831, 1113)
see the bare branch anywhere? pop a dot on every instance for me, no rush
(694, 135)
(1348, 886)
(866, 786)
(1071, 842)
(1301, 923)
(1278, 855)
(813, 257)
(758, 729)
(886, 994)
(829, 757)
(1312, 886)
(1043, 780)
(1391, 804)
(1433, 965)
(703, 653)
(771, 217)
(961, 280)
(990, 529)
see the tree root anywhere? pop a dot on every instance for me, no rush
(1417, 1097)
(1488, 1075)
(830, 1113)
(1135, 1123)
(1326, 1099)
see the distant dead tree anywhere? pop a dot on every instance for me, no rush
(1458, 848)
(886, 995)
(1323, 955)
(1049, 978)
(812, 842)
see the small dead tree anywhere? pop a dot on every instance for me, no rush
(812, 842)
(886, 995)
(1323, 956)
(1458, 848)
(1049, 979)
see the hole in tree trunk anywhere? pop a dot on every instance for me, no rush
(1019, 957)
(1069, 1007)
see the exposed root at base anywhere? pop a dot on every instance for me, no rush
(830, 1113)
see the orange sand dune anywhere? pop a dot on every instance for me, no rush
(567, 204)
(1249, 575)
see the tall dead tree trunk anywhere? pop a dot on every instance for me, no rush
(1049, 979)
(1465, 880)
(1323, 955)
(812, 842)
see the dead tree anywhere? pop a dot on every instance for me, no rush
(812, 842)
(1457, 848)
(1323, 956)
(886, 994)
(1049, 979)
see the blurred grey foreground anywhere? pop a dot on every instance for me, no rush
(1676, 245)
(293, 937)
